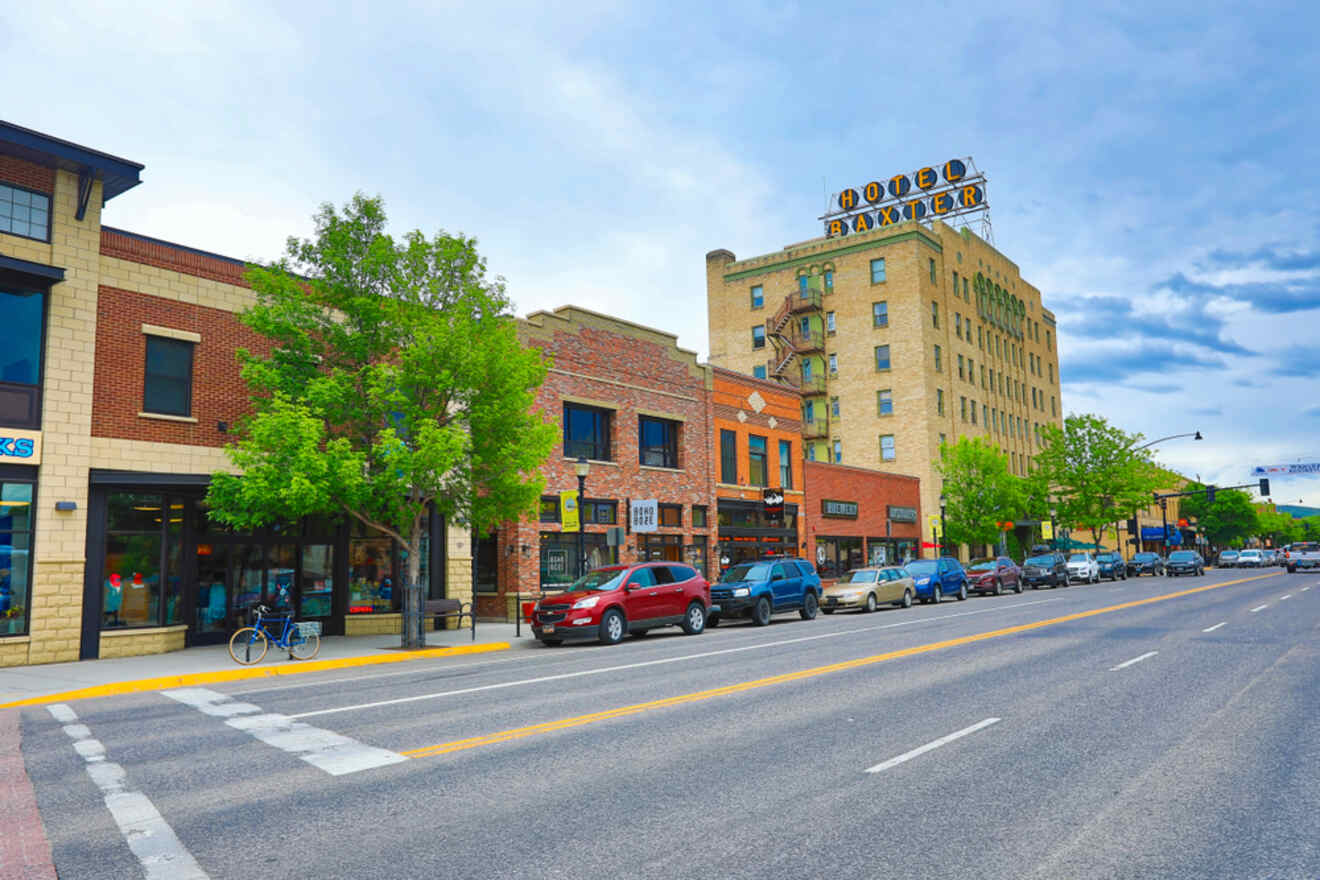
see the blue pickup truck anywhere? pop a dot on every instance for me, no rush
(763, 588)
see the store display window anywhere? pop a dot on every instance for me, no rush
(15, 556)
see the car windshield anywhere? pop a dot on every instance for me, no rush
(1250, 552)
(921, 567)
(1108, 557)
(1145, 557)
(600, 579)
(1041, 560)
(747, 571)
(981, 565)
(863, 577)
(1078, 557)
(1182, 556)
(1229, 553)
(1305, 547)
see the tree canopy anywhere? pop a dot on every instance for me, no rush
(1227, 521)
(979, 491)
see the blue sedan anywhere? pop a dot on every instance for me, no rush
(936, 578)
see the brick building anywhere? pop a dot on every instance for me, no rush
(856, 516)
(899, 339)
(637, 409)
(757, 441)
(118, 382)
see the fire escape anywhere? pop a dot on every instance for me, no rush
(797, 334)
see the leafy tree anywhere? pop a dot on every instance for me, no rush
(1229, 520)
(1095, 472)
(979, 489)
(1278, 528)
(395, 384)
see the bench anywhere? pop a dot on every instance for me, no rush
(450, 609)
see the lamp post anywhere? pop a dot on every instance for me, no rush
(1195, 435)
(1164, 504)
(944, 503)
(582, 467)
(1054, 533)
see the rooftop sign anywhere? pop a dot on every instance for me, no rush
(954, 189)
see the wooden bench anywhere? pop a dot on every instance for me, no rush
(450, 609)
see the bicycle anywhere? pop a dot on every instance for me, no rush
(249, 644)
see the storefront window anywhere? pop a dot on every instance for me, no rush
(142, 579)
(371, 573)
(559, 556)
(836, 556)
(15, 556)
(318, 579)
(697, 555)
(660, 548)
(889, 551)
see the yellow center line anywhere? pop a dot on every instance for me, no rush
(697, 696)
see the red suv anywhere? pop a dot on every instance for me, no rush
(606, 603)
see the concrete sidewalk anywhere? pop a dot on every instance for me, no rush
(57, 682)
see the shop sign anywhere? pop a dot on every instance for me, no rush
(644, 516)
(953, 189)
(569, 518)
(20, 447)
(773, 499)
(903, 514)
(936, 526)
(839, 509)
(1047, 531)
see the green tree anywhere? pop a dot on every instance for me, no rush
(1227, 521)
(395, 384)
(1095, 472)
(1277, 528)
(979, 490)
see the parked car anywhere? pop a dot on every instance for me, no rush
(1185, 562)
(1250, 559)
(1281, 555)
(1111, 566)
(1146, 563)
(1267, 558)
(866, 588)
(1046, 569)
(1303, 554)
(1227, 559)
(937, 578)
(1083, 567)
(994, 576)
(610, 602)
(764, 588)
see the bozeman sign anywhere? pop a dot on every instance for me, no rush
(955, 189)
(1286, 469)
(902, 514)
(840, 509)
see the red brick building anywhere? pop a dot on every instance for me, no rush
(637, 408)
(857, 517)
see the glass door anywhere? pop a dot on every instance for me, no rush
(212, 621)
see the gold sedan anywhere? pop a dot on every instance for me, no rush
(866, 588)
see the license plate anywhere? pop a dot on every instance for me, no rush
(547, 628)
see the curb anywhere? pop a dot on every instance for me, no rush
(224, 675)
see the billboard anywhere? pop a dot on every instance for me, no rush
(954, 189)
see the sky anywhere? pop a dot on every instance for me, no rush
(1151, 167)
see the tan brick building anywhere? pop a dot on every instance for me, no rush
(118, 382)
(898, 339)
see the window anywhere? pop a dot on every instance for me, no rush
(887, 452)
(549, 509)
(838, 451)
(807, 370)
(880, 314)
(943, 439)
(980, 340)
(602, 512)
(938, 368)
(983, 385)
(728, 456)
(834, 407)
(966, 295)
(804, 327)
(834, 365)
(15, 555)
(803, 286)
(1053, 410)
(973, 412)
(932, 271)
(758, 336)
(985, 415)
(758, 296)
(939, 400)
(882, 357)
(955, 283)
(971, 371)
(829, 322)
(23, 315)
(657, 442)
(1051, 366)
(829, 280)
(884, 401)
(811, 452)
(957, 324)
(141, 576)
(1048, 342)
(587, 432)
(809, 411)
(962, 408)
(877, 271)
(698, 516)
(786, 464)
(935, 314)
(961, 363)
(756, 464)
(759, 371)
(25, 213)
(671, 515)
(168, 386)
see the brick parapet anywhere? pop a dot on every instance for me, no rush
(147, 251)
(28, 175)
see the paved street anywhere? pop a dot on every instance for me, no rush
(1007, 737)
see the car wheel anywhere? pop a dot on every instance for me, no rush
(552, 643)
(999, 586)
(612, 627)
(712, 621)
(810, 605)
(761, 612)
(694, 621)
(1067, 581)
(935, 595)
(870, 602)
(962, 592)
(1018, 589)
(907, 598)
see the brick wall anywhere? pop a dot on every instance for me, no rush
(163, 255)
(26, 174)
(873, 491)
(747, 405)
(218, 392)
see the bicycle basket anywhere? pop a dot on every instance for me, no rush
(308, 628)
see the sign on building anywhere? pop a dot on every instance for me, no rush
(643, 516)
(839, 509)
(954, 189)
(902, 514)
(773, 499)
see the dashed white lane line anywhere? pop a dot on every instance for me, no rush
(1210, 629)
(1127, 663)
(149, 836)
(1260, 608)
(332, 752)
(930, 746)
(1285, 596)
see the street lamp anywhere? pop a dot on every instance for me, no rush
(1164, 502)
(944, 503)
(1195, 435)
(1054, 533)
(582, 467)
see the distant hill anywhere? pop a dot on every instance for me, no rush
(1296, 511)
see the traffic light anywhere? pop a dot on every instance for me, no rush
(1209, 494)
(1132, 526)
(1264, 486)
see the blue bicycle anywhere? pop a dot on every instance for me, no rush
(249, 645)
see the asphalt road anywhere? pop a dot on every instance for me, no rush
(1007, 737)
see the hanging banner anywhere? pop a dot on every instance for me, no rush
(1286, 469)
(568, 511)
(1047, 531)
(934, 522)
(644, 516)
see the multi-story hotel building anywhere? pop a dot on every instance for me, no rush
(899, 339)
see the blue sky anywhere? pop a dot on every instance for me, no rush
(1152, 167)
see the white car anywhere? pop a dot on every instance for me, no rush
(1083, 567)
(1250, 559)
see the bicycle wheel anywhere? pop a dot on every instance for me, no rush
(248, 646)
(304, 647)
